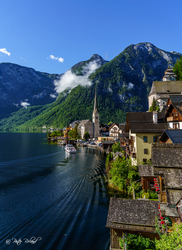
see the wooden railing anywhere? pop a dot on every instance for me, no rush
(162, 196)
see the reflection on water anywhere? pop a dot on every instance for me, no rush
(46, 192)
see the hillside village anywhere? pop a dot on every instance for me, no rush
(153, 142)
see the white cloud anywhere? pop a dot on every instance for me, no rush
(52, 95)
(71, 80)
(25, 104)
(5, 51)
(60, 59)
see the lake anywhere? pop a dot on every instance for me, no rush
(51, 200)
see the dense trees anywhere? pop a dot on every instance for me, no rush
(74, 133)
(124, 175)
(86, 136)
(178, 69)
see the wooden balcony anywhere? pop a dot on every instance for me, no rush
(172, 119)
(162, 196)
(130, 142)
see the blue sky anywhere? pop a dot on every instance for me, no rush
(53, 35)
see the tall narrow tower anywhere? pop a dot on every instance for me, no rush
(95, 119)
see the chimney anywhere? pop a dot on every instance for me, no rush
(155, 120)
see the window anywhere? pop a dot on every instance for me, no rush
(155, 139)
(145, 139)
(145, 151)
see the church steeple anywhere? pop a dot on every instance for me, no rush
(95, 102)
(95, 119)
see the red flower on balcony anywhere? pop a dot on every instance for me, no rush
(162, 222)
(161, 218)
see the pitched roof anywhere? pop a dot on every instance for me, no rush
(146, 170)
(143, 116)
(114, 124)
(173, 176)
(174, 134)
(74, 123)
(83, 122)
(146, 127)
(169, 155)
(142, 122)
(173, 196)
(179, 208)
(176, 98)
(127, 213)
(166, 87)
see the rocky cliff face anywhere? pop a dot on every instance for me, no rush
(21, 84)
(129, 76)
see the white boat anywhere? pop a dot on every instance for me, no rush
(70, 149)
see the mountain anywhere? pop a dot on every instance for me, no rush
(24, 85)
(21, 85)
(129, 76)
(122, 85)
(79, 69)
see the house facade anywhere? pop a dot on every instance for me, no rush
(144, 128)
(161, 90)
(174, 112)
(116, 130)
(131, 216)
(85, 126)
(166, 169)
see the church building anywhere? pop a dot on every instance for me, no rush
(91, 127)
(161, 90)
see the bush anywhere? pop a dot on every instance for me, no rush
(116, 147)
(152, 194)
(145, 195)
(135, 242)
(141, 192)
(172, 240)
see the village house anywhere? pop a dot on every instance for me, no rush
(131, 216)
(174, 112)
(171, 136)
(161, 90)
(166, 169)
(144, 128)
(85, 126)
(104, 130)
(116, 130)
(138, 216)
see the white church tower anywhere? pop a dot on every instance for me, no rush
(95, 119)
